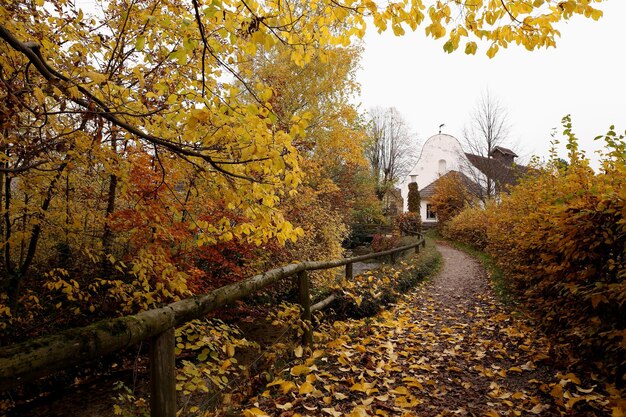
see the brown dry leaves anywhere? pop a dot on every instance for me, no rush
(448, 348)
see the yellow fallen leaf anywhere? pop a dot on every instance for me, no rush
(358, 411)
(570, 377)
(367, 401)
(358, 387)
(317, 354)
(225, 364)
(400, 391)
(230, 350)
(300, 370)
(557, 391)
(332, 412)
(306, 388)
(298, 351)
(518, 395)
(254, 412)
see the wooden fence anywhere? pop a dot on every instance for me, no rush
(37, 358)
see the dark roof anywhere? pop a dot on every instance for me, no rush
(429, 190)
(505, 151)
(505, 175)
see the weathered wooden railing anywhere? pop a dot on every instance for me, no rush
(36, 358)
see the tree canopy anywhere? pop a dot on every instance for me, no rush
(156, 101)
(171, 75)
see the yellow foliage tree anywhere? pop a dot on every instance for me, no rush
(453, 192)
(167, 83)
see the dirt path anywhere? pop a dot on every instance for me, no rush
(483, 360)
(449, 348)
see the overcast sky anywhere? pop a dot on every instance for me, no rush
(585, 76)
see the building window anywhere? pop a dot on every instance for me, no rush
(430, 214)
(442, 167)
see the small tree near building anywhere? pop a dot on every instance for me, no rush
(411, 223)
(453, 192)
(392, 148)
(414, 198)
(487, 132)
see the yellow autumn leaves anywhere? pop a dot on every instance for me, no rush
(436, 353)
(560, 237)
(178, 74)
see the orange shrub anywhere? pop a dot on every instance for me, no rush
(382, 243)
(452, 194)
(409, 223)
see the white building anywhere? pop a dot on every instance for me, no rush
(440, 154)
(443, 153)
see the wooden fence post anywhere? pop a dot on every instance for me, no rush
(305, 303)
(163, 375)
(417, 248)
(393, 258)
(349, 275)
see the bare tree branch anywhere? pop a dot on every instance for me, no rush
(488, 129)
(392, 149)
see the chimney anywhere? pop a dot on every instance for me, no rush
(504, 155)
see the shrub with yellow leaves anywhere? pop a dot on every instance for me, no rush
(561, 237)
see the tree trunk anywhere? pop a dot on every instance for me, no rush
(8, 266)
(107, 233)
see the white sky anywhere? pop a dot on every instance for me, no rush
(585, 76)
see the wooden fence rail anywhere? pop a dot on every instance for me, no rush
(36, 358)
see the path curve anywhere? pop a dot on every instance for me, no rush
(483, 358)
(461, 279)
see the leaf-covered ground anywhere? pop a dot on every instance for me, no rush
(447, 348)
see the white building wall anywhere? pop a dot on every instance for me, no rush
(440, 154)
